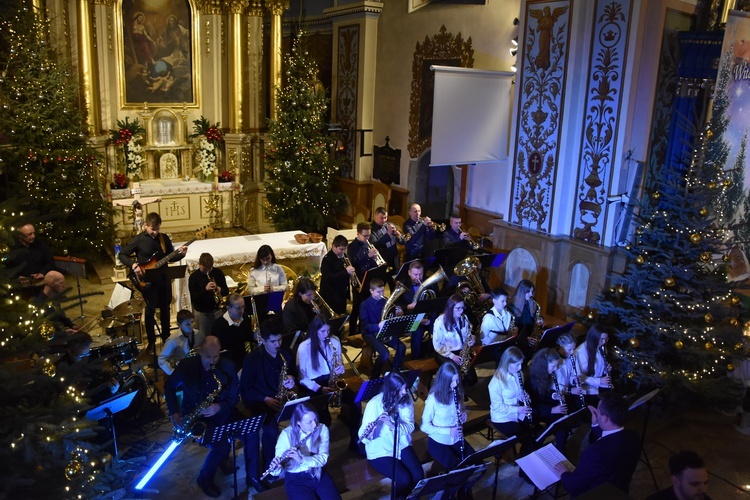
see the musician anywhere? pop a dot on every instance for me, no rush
(443, 417)
(392, 404)
(451, 333)
(567, 372)
(689, 478)
(408, 301)
(299, 311)
(362, 256)
(148, 245)
(453, 236)
(523, 307)
(548, 403)
(54, 285)
(592, 365)
(371, 313)
(496, 324)
(207, 285)
(316, 359)
(420, 230)
(384, 237)
(180, 343)
(508, 411)
(302, 452)
(610, 459)
(90, 375)
(234, 330)
(335, 276)
(32, 256)
(196, 376)
(266, 276)
(263, 370)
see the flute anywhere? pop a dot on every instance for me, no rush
(284, 456)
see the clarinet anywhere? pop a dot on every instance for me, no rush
(577, 381)
(607, 366)
(458, 422)
(525, 400)
(557, 394)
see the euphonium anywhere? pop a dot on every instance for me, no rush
(336, 383)
(379, 260)
(424, 292)
(179, 433)
(284, 394)
(353, 279)
(397, 292)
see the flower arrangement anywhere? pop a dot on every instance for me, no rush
(119, 181)
(129, 135)
(209, 140)
(226, 176)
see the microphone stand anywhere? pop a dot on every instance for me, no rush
(395, 453)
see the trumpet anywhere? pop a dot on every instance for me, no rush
(472, 243)
(379, 260)
(217, 291)
(395, 228)
(353, 279)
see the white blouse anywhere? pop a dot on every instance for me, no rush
(304, 361)
(589, 383)
(380, 442)
(504, 398)
(273, 274)
(309, 461)
(495, 321)
(445, 341)
(438, 420)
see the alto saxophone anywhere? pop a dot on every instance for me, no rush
(336, 383)
(180, 432)
(465, 352)
(538, 329)
(284, 394)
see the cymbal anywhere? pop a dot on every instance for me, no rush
(133, 306)
(111, 322)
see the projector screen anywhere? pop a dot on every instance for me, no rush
(471, 116)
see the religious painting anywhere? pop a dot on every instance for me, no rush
(157, 52)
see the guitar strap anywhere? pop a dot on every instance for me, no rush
(163, 244)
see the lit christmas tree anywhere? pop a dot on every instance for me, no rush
(300, 168)
(47, 161)
(676, 317)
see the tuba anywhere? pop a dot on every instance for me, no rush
(387, 308)
(423, 292)
(469, 269)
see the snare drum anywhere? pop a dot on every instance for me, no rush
(122, 349)
(99, 347)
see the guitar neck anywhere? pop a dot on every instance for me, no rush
(169, 257)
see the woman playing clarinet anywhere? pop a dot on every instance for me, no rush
(547, 397)
(301, 454)
(392, 410)
(593, 366)
(451, 333)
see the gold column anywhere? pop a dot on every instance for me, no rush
(235, 64)
(87, 68)
(277, 7)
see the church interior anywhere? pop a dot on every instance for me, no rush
(562, 142)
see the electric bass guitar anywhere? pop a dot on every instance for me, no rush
(138, 280)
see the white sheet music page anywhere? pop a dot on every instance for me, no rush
(119, 295)
(540, 465)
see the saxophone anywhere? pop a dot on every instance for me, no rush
(179, 433)
(284, 394)
(458, 422)
(336, 383)
(538, 330)
(465, 352)
(525, 399)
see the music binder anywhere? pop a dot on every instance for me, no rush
(399, 326)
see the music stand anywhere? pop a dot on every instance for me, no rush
(493, 352)
(370, 388)
(76, 267)
(230, 432)
(399, 326)
(464, 477)
(319, 402)
(648, 400)
(430, 305)
(404, 269)
(108, 408)
(550, 335)
(496, 449)
(449, 257)
(372, 273)
(569, 420)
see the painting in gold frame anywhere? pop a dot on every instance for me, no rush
(157, 52)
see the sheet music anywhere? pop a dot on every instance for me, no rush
(230, 282)
(120, 295)
(539, 465)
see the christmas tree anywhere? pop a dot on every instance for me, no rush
(298, 160)
(47, 162)
(675, 316)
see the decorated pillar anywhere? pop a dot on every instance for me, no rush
(235, 65)
(87, 68)
(212, 68)
(277, 8)
(254, 119)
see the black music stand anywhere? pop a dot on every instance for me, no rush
(320, 403)
(457, 478)
(430, 305)
(648, 400)
(265, 303)
(449, 257)
(404, 269)
(372, 273)
(370, 388)
(230, 432)
(496, 450)
(108, 408)
(493, 352)
(550, 335)
(399, 326)
(568, 421)
(76, 267)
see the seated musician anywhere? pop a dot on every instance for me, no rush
(266, 382)
(301, 454)
(197, 377)
(149, 245)
(451, 334)
(89, 375)
(524, 308)
(299, 311)
(335, 276)
(371, 313)
(54, 285)
(592, 364)
(234, 330)
(317, 356)
(362, 256)
(567, 373)
(610, 459)
(408, 301)
(377, 433)
(420, 230)
(266, 276)
(454, 236)
(496, 324)
(548, 400)
(384, 236)
(509, 412)
(207, 286)
(32, 257)
(180, 343)
(689, 478)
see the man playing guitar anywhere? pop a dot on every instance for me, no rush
(147, 246)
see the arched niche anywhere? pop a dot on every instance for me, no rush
(520, 265)
(580, 279)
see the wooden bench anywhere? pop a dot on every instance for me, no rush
(427, 369)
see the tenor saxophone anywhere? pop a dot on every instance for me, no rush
(336, 383)
(284, 394)
(179, 433)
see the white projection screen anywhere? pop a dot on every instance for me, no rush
(471, 116)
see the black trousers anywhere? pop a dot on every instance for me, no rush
(158, 296)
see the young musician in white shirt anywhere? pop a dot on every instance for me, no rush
(591, 362)
(180, 343)
(496, 324)
(451, 332)
(266, 275)
(567, 372)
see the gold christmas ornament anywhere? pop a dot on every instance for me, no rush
(703, 212)
(48, 368)
(669, 281)
(695, 238)
(739, 346)
(639, 259)
(708, 317)
(726, 257)
(735, 300)
(726, 183)
(656, 195)
(709, 346)
(679, 344)
(631, 375)
(628, 247)
(611, 289)
(734, 322)
(705, 257)
(46, 330)
(711, 185)
(73, 469)
(709, 134)
(634, 342)
(730, 367)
